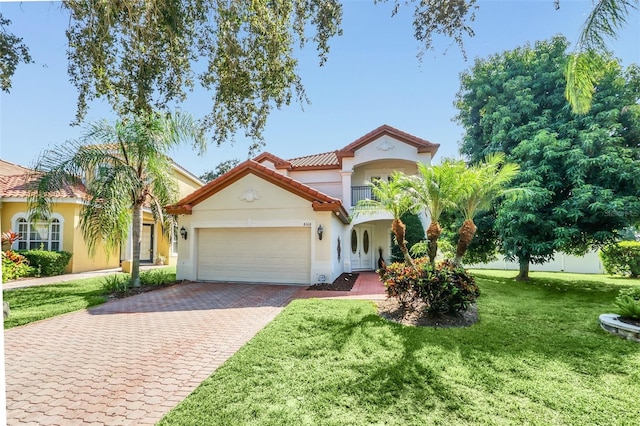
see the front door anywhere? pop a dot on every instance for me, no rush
(361, 252)
(146, 243)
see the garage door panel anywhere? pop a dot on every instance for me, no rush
(278, 255)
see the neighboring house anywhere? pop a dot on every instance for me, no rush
(62, 231)
(288, 221)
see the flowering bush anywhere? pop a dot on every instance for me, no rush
(14, 266)
(445, 288)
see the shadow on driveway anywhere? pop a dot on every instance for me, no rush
(193, 296)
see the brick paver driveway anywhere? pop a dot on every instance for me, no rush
(130, 361)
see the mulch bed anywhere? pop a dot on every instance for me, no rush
(344, 282)
(630, 321)
(392, 310)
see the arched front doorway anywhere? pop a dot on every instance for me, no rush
(361, 248)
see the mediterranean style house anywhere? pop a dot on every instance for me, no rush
(62, 231)
(272, 220)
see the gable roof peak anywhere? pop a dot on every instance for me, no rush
(280, 163)
(422, 145)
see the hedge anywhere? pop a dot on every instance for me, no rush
(622, 258)
(47, 263)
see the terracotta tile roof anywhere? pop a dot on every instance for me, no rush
(421, 144)
(10, 169)
(277, 161)
(17, 182)
(325, 160)
(333, 159)
(319, 200)
(20, 186)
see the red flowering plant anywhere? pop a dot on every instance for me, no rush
(8, 238)
(14, 265)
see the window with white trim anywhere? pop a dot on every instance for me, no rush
(174, 240)
(39, 234)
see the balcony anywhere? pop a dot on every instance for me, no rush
(360, 193)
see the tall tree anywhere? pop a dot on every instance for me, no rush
(220, 169)
(125, 169)
(391, 197)
(581, 170)
(12, 52)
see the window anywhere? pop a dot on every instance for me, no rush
(174, 240)
(39, 234)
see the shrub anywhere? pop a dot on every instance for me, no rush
(445, 288)
(628, 303)
(48, 263)
(15, 266)
(156, 277)
(118, 283)
(622, 258)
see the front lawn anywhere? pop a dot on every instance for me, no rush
(537, 356)
(29, 304)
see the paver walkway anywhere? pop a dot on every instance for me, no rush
(131, 361)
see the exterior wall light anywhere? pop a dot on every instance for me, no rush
(183, 233)
(320, 231)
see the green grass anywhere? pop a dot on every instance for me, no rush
(537, 356)
(31, 304)
(36, 303)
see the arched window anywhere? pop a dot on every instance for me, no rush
(39, 234)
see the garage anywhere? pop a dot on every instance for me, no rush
(261, 255)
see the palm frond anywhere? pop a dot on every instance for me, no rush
(584, 67)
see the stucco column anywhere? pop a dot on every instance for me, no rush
(346, 188)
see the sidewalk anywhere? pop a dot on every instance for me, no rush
(57, 279)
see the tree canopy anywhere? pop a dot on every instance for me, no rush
(581, 170)
(220, 169)
(145, 55)
(12, 52)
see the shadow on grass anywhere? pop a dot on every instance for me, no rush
(552, 330)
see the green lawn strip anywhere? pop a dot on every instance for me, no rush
(29, 304)
(537, 357)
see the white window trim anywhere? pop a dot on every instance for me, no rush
(173, 239)
(23, 215)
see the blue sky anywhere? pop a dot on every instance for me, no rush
(372, 78)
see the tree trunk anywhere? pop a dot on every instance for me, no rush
(467, 231)
(523, 274)
(433, 233)
(398, 229)
(136, 237)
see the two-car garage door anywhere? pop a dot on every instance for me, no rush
(262, 255)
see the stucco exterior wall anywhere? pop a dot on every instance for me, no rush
(254, 202)
(72, 240)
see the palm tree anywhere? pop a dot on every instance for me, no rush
(481, 184)
(391, 196)
(585, 65)
(436, 189)
(125, 169)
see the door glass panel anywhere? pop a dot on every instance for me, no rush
(365, 241)
(354, 241)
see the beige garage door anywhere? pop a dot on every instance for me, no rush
(266, 255)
